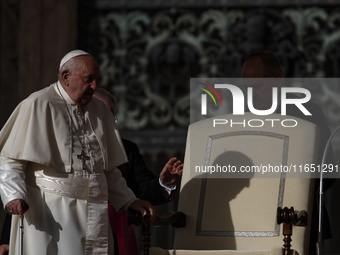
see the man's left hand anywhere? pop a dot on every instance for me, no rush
(171, 171)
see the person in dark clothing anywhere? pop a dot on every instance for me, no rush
(143, 182)
(139, 178)
(264, 64)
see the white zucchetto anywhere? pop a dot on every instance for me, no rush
(70, 55)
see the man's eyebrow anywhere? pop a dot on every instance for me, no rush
(90, 76)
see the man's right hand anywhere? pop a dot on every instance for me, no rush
(144, 207)
(17, 206)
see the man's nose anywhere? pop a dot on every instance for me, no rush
(94, 85)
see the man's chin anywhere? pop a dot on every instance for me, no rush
(85, 101)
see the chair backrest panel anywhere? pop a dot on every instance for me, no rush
(237, 211)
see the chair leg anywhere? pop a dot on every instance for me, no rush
(287, 233)
(289, 218)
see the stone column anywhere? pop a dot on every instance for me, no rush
(34, 36)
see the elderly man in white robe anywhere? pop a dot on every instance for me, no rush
(58, 154)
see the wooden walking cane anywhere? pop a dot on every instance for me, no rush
(21, 236)
(21, 229)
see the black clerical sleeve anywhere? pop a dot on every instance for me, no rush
(139, 178)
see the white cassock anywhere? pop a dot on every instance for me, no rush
(41, 162)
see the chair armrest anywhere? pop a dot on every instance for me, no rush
(289, 216)
(176, 219)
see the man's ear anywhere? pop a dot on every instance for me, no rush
(65, 76)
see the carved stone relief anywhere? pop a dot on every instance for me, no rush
(147, 56)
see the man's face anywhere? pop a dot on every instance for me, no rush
(81, 83)
(255, 77)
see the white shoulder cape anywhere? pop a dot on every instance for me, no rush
(39, 131)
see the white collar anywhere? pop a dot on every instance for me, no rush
(63, 94)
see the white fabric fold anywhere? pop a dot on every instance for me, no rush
(12, 180)
(25, 136)
(167, 189)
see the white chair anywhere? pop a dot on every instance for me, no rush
(236, 213)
